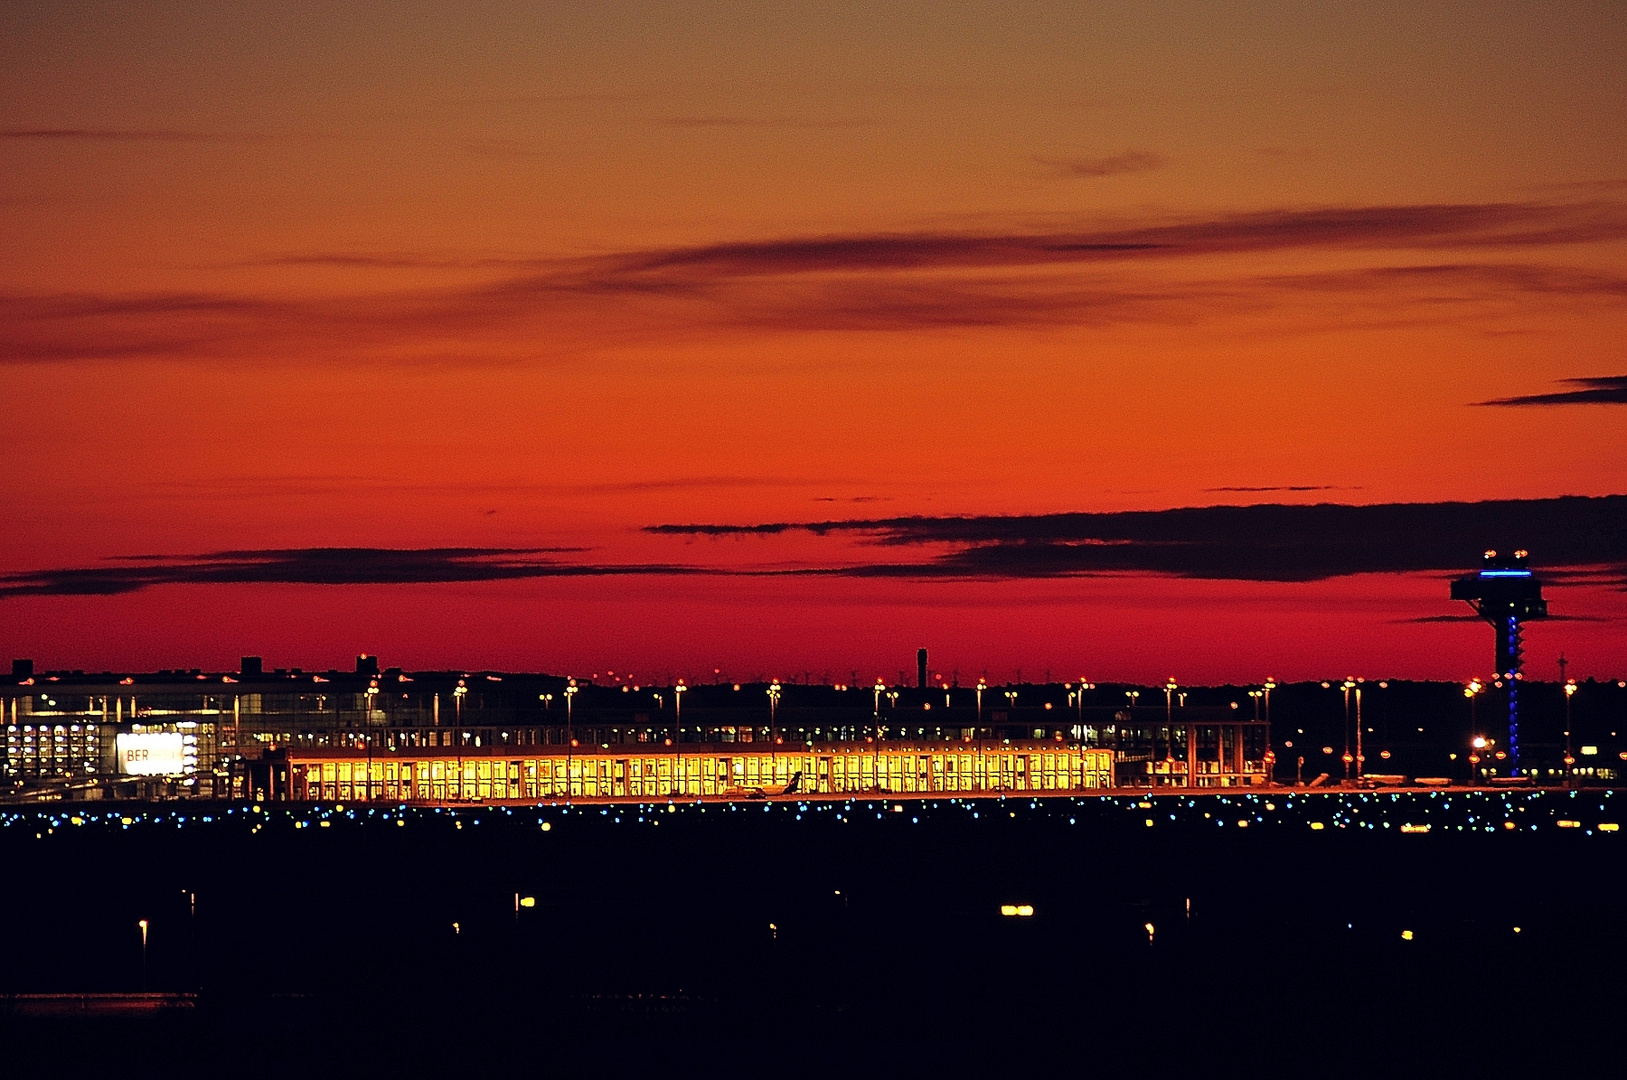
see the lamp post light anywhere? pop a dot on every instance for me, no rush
(1361, 758)
(459, 692)
(773, 708)
(982, 685)
(571, 690)
(1472, 691)
(1570, 759)
(1256, 695)
(1169, 723)
(1270, 685)
(678, 710)
(1349, 759)
(880, 688)
(143, 925)
(367, 736)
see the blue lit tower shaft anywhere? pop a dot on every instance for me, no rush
(1509, 659)
(1505, 594)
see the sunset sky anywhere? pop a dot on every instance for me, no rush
(401, 327)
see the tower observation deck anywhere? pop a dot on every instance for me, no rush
(1506, 594)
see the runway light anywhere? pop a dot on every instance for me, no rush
(1610, 826)
(528, 901)
(1406, 935)
(1017, 911)
(1317, 826)
(1415, 828)
(1570, 824)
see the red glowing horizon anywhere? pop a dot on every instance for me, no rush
(525, 284)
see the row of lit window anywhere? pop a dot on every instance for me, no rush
(707, 776)
(766, 767)
(12, 729)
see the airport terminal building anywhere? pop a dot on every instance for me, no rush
(455, 737)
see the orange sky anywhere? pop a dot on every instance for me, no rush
(509, 275)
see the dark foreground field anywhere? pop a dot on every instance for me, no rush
(838, 939)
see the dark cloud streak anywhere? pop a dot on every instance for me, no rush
(316, 566)
(1271, 543)
(1131, 161)
(105, 135)
(1248, 543)
(1604, 390)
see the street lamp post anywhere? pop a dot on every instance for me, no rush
(143, 925)
(1080, 697)
(459, 692)
(1570, 759)
(1349, 758)
(1361, 759)
(571, 690)
(1472, 691)
(678, 711)
(1151, 753)
(367, 736)
(1169, 729)
(773, 708)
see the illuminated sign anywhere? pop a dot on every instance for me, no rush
(155, 753)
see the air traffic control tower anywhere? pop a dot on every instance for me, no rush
(1505, 593)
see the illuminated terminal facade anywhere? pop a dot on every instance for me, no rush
(475, 737)
(624, 772)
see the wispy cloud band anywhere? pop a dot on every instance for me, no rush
(880, 282)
